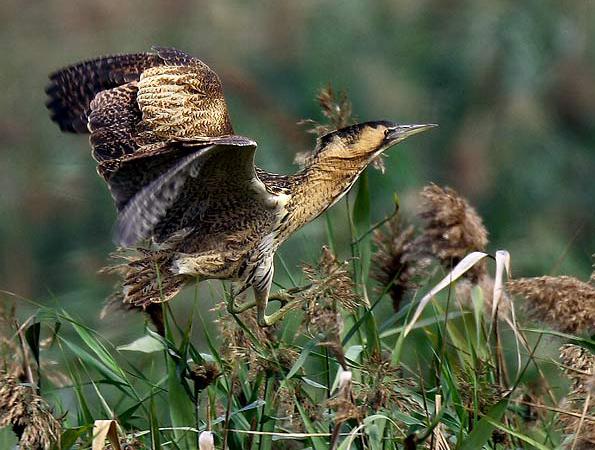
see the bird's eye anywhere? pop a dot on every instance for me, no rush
(387, 132)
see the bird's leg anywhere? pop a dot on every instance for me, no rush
(286, 297)
(283, 296)
(241, 295)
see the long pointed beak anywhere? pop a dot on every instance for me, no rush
(401, 132)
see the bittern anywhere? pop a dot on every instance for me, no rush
(179, 176)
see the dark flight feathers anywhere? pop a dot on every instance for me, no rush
(146, 186)
(72, 89)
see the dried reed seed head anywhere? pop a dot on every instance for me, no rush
(28, 414)
(452, 228)
(488, 392)
(336, 109)
(395, 262)
(203, 374)
(290, 401)
(331, 282)
(564, 303)
(579, 404)
(344, 409)
(384, 387)
(342, 402)
(579, 364)
(11, 360)
(331, 287)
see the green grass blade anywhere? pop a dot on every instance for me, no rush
(69, 437)
(8, 439)
(181, 408)
(303, 356)
(154, 425)
(518, 435)
(482, 431)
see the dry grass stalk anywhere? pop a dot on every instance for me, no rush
(395, 261)
(452, 229)
(564, 303)
(28, 414)
(579, 366)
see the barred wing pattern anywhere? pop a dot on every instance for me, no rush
(186, 184)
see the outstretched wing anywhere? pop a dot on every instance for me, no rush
(205, 186)
(163, 140)
(127, 101)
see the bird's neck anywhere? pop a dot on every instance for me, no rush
(317, 187)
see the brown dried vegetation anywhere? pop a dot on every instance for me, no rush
(579, 366)
(563, 303)
(452, 229)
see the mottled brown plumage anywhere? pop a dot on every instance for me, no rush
(162, 137)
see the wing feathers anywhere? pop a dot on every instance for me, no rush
(149, 206)
(72, 89)
(113, 122)
(146, 184)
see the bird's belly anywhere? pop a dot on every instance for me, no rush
(207, 265)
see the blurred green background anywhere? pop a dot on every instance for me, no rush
(512, 85)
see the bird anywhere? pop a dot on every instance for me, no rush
(182, 180)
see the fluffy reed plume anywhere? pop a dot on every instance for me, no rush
(336, 110)
(564, 303)
(385, 388)
(331, 288)
(335, 107)
(452, 229)
(464, 290)
(395, 262)
(579, 366)
(203, 374)
(28, 414)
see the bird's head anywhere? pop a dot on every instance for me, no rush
(357, 145)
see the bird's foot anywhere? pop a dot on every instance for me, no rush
(288, 300)
(284, 296)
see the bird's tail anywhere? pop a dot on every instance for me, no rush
(146, 277)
